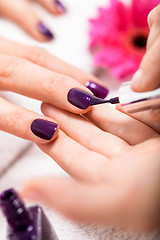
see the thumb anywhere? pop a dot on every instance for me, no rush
(147, 78)
(78, 201)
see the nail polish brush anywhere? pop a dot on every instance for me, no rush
(132, 101)
(96, 101)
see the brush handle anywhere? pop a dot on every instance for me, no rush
(138, 101)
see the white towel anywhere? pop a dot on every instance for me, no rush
(12, 147)
(35, 164)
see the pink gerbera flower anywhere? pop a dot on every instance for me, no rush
(118, 35)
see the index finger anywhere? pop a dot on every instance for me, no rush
(23, 77)
(43, 58)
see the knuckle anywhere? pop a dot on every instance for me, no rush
(36, 54)
(8, 66)
(49, 86)
(15, 115)
(154, 16)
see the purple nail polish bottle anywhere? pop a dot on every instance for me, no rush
(25, 223)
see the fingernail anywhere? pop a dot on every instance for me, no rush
(97, 90)
(43, 129)
(79, 98)
(44, 30)
(137, 79)
(60, 7)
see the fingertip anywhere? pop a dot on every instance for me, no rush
(59, 7)
(137, 81)
(55, 7)
(55, 135)
(45, 107)
(41, 189)
(30, 190)
(44, 130)
(44, 31)
(80, 99)
(37, 29)
(119, 107)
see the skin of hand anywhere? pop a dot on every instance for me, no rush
(35, 73)
(114, 162)
(147, 78)
(22, 12)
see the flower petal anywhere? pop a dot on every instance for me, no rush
(122, 14)
(125, 68)
(109, 56)
(140, 10)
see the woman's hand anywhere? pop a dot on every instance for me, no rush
(147, 78)
(23, 13)
(115, 161)
(35, 73)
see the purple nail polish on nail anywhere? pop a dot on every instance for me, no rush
(83, 100)
(79, 98)
(44, 30)
(61, 8)
(43, 129)
(97, 90)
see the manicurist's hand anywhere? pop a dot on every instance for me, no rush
(33, 72)
(22, 12)
(147, 78)
(114, 162)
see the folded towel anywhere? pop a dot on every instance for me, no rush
(11, 147)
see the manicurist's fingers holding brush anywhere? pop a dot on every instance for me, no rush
(147, 78)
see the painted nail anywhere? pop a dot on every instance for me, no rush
(79, 98)
(97, 90)
(61, 8)
(43, 129)
(44, 30)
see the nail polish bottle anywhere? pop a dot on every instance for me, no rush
(24, 223)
